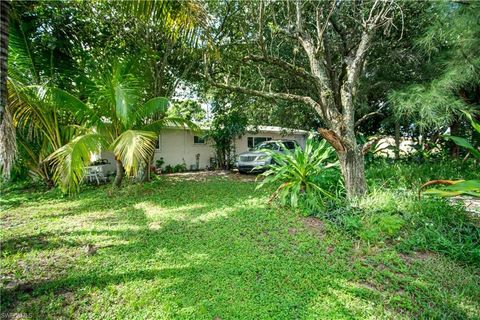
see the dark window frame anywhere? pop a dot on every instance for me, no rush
(199, 140)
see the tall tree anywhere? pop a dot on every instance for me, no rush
(7, 134)
(4, 21)
(450, 81)
(305, 52)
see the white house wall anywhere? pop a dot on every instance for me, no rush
(176, 146)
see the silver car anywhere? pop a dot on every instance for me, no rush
(257, 160)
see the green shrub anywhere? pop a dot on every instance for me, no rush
(392, 213)
(381, 227)
(159, 163)
(181, 167)
(458, 187)
(440, 226)
(297, 174)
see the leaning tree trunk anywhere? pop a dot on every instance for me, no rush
(4, 21)
(120, 173)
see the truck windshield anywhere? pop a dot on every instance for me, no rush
(268, 146)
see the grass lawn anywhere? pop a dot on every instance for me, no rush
(214, 249)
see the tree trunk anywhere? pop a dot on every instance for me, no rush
(455, 130)
(352, 166)
(350, 156)
(4, 22)
(8, 144)
(120, 173)
(146, 172)
(397, 140)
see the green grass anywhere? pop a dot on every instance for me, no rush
(214, 249)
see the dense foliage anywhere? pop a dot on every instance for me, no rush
(85, 77)
(227, 125)
(81, 83)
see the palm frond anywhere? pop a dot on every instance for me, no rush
(70, 160)
(124, 100)
(170, 121)
(68, 102)
(23, 64)
(180, 18)
(117, 94)
(134, 148)
(31, 110)
(152, 109)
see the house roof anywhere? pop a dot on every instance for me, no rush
(275, 129)
(272, 129)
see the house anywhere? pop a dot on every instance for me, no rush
(179, 145)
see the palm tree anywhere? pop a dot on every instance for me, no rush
(117, 121)
(7, 134)
(34, 124)
(53, 125)
(39, 124)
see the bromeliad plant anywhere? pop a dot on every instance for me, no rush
(298, 171)
(452, 188)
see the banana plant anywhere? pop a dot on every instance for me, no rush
(452, 188)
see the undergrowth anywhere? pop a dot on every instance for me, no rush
(393, 214)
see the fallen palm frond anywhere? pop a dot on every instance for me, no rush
(457, 187)
(452, 188)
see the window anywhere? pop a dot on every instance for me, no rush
(157, 143)
(198, 140)
(254, 141)
(290, 145)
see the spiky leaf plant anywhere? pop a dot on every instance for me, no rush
(296, 172)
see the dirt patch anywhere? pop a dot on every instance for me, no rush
(292, 231)
(205, 175)
(368, 285)
(315, 225)
(417, 256)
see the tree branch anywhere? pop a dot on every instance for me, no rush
(288, 67)
(365, 117)
(269, 95)
(321, 29)
(265, 94)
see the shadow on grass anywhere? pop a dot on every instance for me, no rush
(200, 247)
